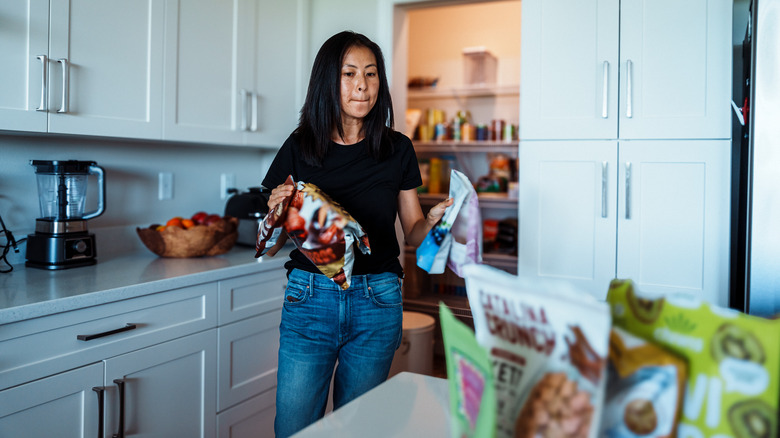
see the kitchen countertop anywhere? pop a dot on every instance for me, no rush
(407, 404)
(27, 293)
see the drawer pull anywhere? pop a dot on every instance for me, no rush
(108, 333)
(100, 391)
(121, 428)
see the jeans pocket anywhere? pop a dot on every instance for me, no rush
(295, 294)
(386, 294)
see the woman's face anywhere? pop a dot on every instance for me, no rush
(359, 84)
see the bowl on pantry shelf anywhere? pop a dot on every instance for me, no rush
(197, 241)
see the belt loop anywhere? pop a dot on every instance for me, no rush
(312, 280)
(366, 285)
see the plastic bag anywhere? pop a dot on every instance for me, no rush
(466, 247)
(434, 251)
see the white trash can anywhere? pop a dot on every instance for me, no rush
(416, 351)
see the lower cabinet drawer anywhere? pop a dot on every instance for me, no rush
(250, 295)
(253, 418)
(40, 347)
(248, 352)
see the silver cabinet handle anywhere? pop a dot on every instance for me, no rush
(65, 85)
(605, 74)
(629, 92)
(603, 189)
(244, 103)
(254, 112)
(628, 190)
(44, 106)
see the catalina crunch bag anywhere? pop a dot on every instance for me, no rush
(733, 360)
(548, 344)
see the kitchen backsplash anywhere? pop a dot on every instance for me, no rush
(132, 169)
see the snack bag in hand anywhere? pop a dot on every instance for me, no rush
(466, 246)
(320, 228)
(548, 344)
(434, 251)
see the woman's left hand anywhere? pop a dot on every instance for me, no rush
(437, 212)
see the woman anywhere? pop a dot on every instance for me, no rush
(346, 146)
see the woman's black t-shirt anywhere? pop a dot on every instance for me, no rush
(366, 188)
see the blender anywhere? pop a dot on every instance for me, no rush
(61, 239)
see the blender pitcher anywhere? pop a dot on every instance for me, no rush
(62, 189)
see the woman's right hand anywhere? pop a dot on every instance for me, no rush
(279, 194)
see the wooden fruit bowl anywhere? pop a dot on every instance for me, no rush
(198, 241)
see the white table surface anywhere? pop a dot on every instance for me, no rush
(406, 405)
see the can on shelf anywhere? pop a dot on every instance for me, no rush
(496, 129)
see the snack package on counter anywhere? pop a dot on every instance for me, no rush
(733, 359)
(645, 388)
(472, 395)
(466, 231)
(434, 251)
(548, 344)
(320, 228)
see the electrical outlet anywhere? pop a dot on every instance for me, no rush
(226, 181)
(164, 186)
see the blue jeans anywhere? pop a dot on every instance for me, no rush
(360, 327)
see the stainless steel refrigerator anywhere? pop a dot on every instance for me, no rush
(756, 288)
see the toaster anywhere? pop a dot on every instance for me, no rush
(249, 207)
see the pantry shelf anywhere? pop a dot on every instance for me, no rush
(465, 91)
(509, 147)
(486, 200)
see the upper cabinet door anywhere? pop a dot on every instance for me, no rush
(24, 50)
(105, 69)
(569, 69)
(203, 68)
(675, 61)
(275, 99)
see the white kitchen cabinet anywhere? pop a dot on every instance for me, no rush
(230, 71)
(250, 309)
(568, 198)
(673, 216)
(169, 389)
(279, 79)
(63, 405)
(24, 37)
(629, 69)
(652, 211)
(87, 67)
(163, 345)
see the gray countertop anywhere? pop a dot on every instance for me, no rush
(28, 293)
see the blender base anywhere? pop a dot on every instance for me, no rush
(60, 251)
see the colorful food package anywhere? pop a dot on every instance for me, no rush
(434, 251)
(548, 343)
(733, 359)
(320, 228)
(472, 395)
(645, 388)
(467, 230)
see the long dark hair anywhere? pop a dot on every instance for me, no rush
(321, 111)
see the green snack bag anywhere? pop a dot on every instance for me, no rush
(472, 396)
(733, 360)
